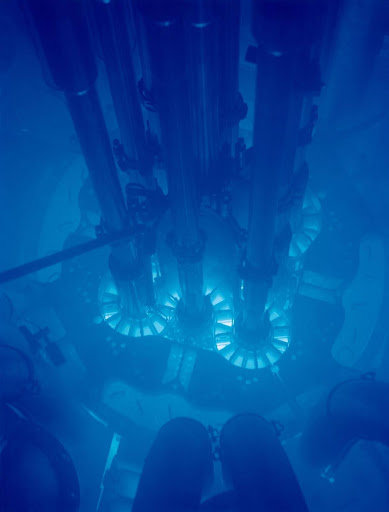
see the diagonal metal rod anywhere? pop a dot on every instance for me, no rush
(61, 256)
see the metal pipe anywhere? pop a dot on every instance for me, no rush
(203, 76)
(229, 13)
(145, 84)
(60, 256)
(111, 22)
(274, 87)
(280, 59)
(88, 120)
(64, 38)
(126, 263)
(164, 26)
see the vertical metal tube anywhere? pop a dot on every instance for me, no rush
(145, 84)
(278, 105)
(127, 265)
(111, 21)
(229, 12)
(166, 36)
(273, 95)
(203, 61)
(64, 39)
(92, 133)
(330, 21)
(63, 35)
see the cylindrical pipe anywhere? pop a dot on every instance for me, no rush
(164, 26)
(190, 274)
(203, 59)
(59, 257)
(170, 85)
(283, 39)
(229, 13)
(92, 133)
(355, 409)
(111, 21)
(145, 84)
(63, 35)
(126, 263)
(63, 38)
(274, 92)
(330, 21)
(274, 88)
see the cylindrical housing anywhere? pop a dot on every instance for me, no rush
(64, 39)
(229, 16)
(202, 28)
(92, 133)
(111, 22)
(165, 31)
(275, 89)
(283, 30)
(277, 121)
